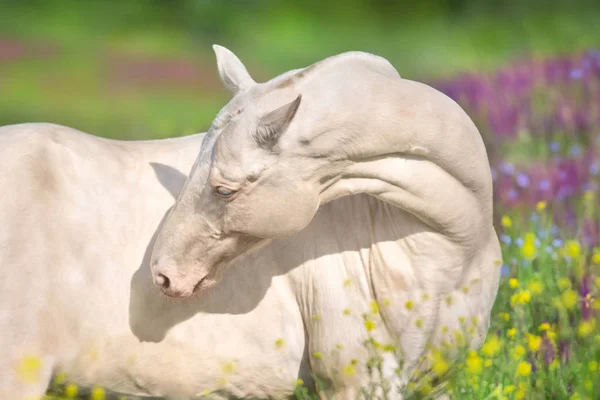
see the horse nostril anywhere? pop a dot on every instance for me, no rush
(163, 281)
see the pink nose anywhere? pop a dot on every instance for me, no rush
(166, 279)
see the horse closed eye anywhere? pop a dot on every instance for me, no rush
(223, 191)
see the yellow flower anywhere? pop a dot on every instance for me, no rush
(553, 365)
(370, 325)
(439, 365)
(585, 328)
(71, 391)
(98, 394)
(513, 283)
(504, 316)
(347, 311)
(60, 378)
(596, 260)
(509, 389)
(299, 382)
(349, 370)
(473, 363)
(228, 367)
(593, 366)
(564, 283)
(279, 343)
(318, 355)
(544, 326)
(520, 394)
(409, 305)
(572, 248)
(491, 346)
(511, 332)
(524, 368)
(419, 323)
(588, 195)
(535, 287)
(541, 205)
(487, 363)
(528, 250)
(506, 221)
(518, 351)
(569, 299)
(29, 369)
(522, 297)
(374, 307)
(534, 342)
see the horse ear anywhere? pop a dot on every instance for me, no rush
(271, 126)
(232, 71)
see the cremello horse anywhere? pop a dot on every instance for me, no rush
(312, 198)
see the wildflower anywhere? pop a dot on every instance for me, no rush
(569, 299)
(593, 366)
(316, 317)
(29, 369)
(504, 316)
(299, 382)
(585, 328)
(491, 346)
(540, 206)
(71, 391)
(518, 351)
(346, 311)
(349, 370)
(544, 326)
(228, 367)
(564, 283)
(487, 363)
(553, 365)
(374, 307)
(389, 348)
(596, 260)
(409, 305)
(508, 389)
(524, 368)
(369, 325)
(318, 355)
(279, 343)
(535, 287)
(473, 363)
(528, 251)
(506, 221)
(386, 302)
(98, 393)
(347, 282)
(511, 332)
(513, 283)
(573, 248)
(522, 297)
(534, 342)
(439, 364)
(419, 323)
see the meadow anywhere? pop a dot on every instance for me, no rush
(539, 114)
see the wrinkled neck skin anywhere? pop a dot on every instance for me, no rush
(405, 144)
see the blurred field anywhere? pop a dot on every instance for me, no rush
(527, 72)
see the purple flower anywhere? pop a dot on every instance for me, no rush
(522, 180)
(576, 73)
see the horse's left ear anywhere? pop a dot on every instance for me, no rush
(232, 71)
(272, 125)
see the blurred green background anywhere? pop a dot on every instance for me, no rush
(145, 69)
